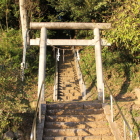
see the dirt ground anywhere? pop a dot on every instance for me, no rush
(131, 112)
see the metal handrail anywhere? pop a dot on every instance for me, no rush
(124, 119)
(79, 73)
(25, 44)
(38, 109)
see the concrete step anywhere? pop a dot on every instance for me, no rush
(62, 79)
(75, 84)
(74, 111)
(75, 118)
(65, 90)
(70, 98)
(69, 88)
(64, 86)
(77, 132)
(80, 125)
(69, 94)
(70, 82)
(75, 105)
(67, 77)
(101, 137)
(66, 65)
(67, 74)
(66, 71)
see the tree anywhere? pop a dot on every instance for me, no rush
(126, 30)
(9, 14)
(23, 17)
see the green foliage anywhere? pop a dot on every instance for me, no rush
(9, 14)
(50, 66)
(11, 99)
(32, 58)
(10, 48)
(88, 68)
(135, 113)
(80, 10)
(118, 68)
(125, 33)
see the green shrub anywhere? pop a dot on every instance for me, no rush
(125, 32)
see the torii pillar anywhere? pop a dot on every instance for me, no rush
(99, 69)
(42, 62)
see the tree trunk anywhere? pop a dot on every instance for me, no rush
(23, 17)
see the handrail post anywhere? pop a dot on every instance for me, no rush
(124, 130)
(123, 117)
(111, 100)
(35, 132)
(39, 114)
(23, 64)
(131, 135)
(99, 71)
(42, 61)
(103, 93)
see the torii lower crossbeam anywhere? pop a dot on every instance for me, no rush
(68, 42)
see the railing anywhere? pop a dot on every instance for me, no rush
(79, 74)
(55, 93)
(25, 44)
(123, 117)
(37, 114)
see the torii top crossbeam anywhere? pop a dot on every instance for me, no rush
(69, 25)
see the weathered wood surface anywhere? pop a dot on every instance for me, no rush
(69, 42)
(69, 25)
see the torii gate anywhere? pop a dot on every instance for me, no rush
(43, 42)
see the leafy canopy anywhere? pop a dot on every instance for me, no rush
(126, 28)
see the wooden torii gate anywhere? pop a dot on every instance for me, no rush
(97, 42)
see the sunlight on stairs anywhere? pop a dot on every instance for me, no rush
(76, 121)
(71, 118)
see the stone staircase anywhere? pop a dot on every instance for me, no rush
(76, 121)
(68, 86)
(71, 118)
